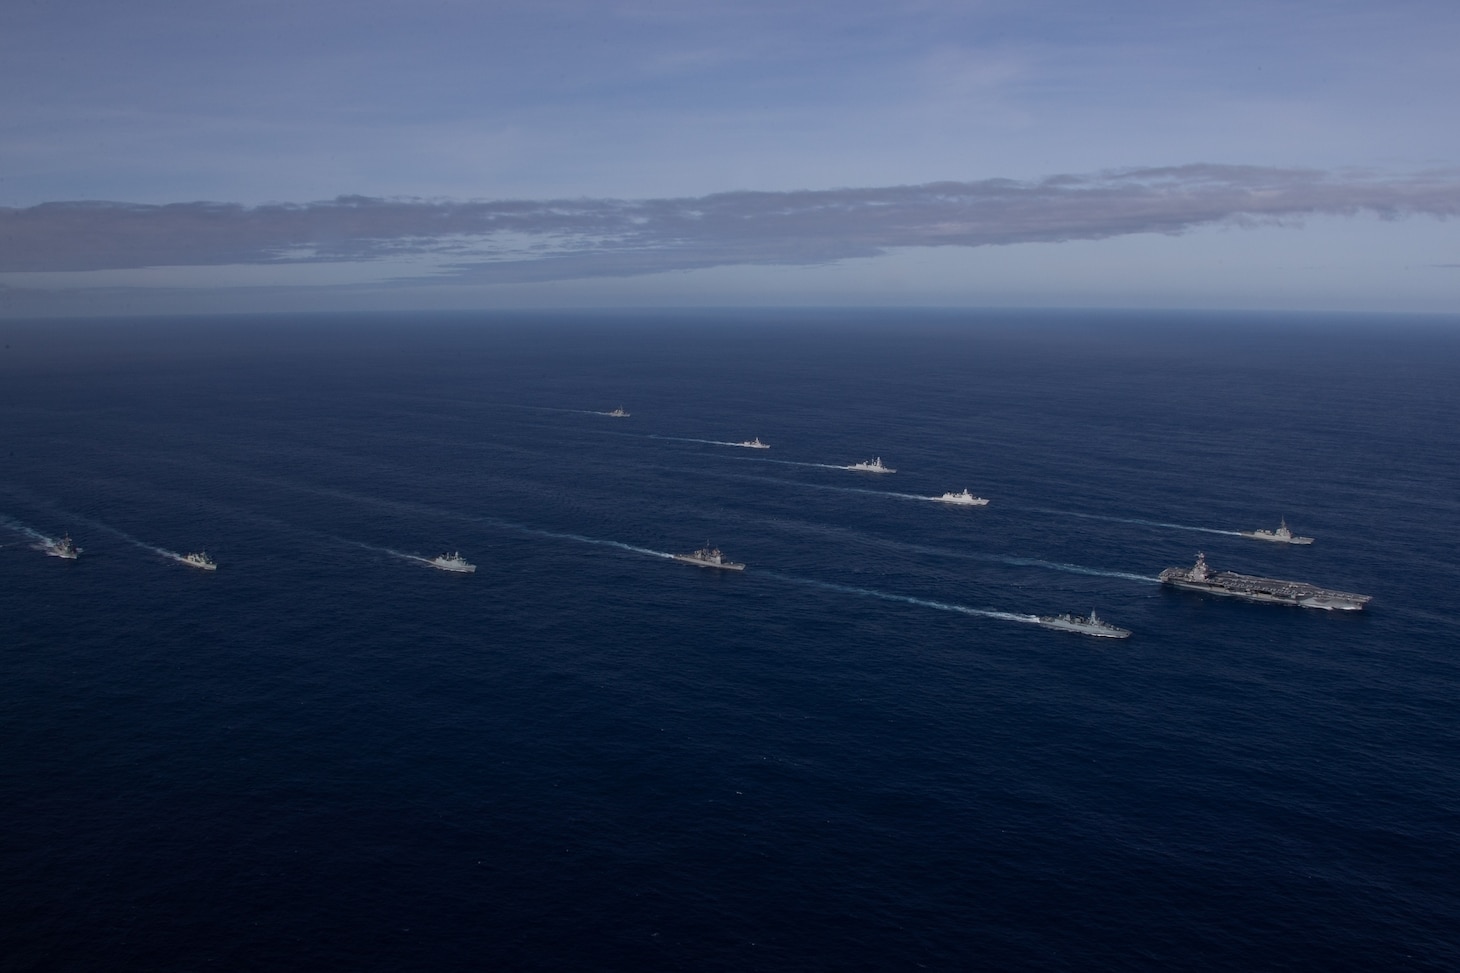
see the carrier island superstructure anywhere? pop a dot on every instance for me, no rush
(1249, 588)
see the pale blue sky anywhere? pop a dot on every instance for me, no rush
(1294, 154)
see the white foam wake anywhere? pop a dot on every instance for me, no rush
(905, 599)
(791, 462)
(822, 486)
(30, 532)
(387, 550)
(115, 532)
(601, 542)
(1137, 520)
(707, 442)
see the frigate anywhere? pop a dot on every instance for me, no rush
(1281, 536)
(199, 560)
(965, 499)
(872, 466)
(1090, 624)
(1201, 578)
(452, 562)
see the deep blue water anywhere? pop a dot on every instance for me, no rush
(588, 757)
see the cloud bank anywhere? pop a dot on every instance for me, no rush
(523, 240)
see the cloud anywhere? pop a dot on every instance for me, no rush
(526, 240)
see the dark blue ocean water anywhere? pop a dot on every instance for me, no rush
(588, 757)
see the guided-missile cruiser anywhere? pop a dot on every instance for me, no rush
(1200, 578)
(65, 547)
(709, 557)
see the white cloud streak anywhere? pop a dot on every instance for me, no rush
(525, 240)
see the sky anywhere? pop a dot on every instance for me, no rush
(197, 157)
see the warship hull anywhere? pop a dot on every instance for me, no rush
(1083, 626)
(702, 563)
(1274, 538)
(961, 500)
(1270, 591)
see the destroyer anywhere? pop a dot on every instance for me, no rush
(753, 444)
(618, 413)
(709, 557)
(199, 560)
(965, 499)
(1200, 578)
(65, 547)
(1091, 624)
(872, 466)
(1280, 536)
(452, 562)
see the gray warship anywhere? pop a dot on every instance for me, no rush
(1282, 535)
(1201, 578)
(709, 557)
(452, 561)
(1091, 624)
(65, 547)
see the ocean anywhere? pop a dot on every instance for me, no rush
(859, 754)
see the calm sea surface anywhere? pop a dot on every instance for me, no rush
(857, 755)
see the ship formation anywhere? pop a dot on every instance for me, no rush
(1268, 590)
(1199, 577)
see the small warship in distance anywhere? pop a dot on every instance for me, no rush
(753, 444)
(965, 499)
(65, 547)
(872, 466)
(1091, 624)
(1281, 536)
(452, 562)
(199, 560)
(618, 413)
(1200, 578)
(709, 557)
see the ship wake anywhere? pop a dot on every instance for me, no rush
(707, 442)
(135, 542)
(42, 541)
(904, 599)
(388, 550)
(1138, 521)
(580, 538)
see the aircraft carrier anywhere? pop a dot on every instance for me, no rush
(1269, 590)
